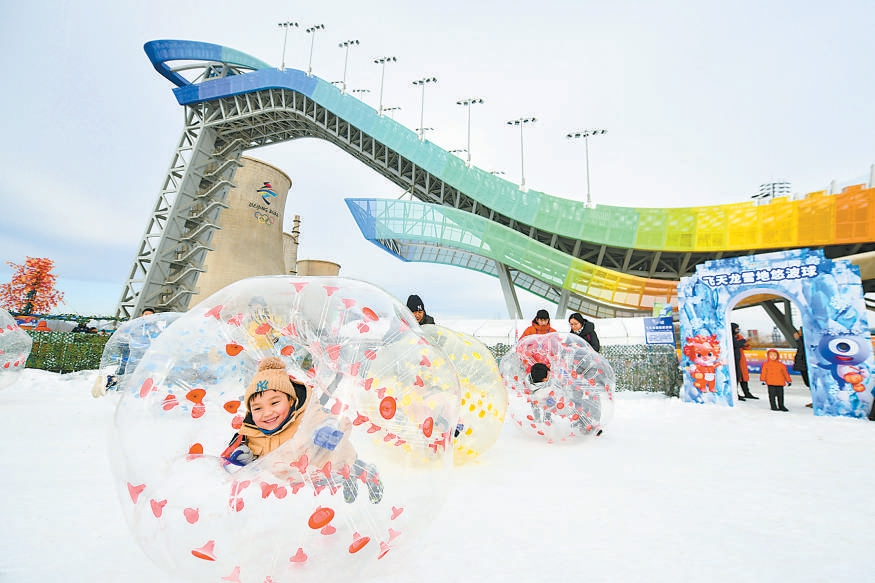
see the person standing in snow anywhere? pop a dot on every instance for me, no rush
(585, 329)
(774, 375)
(540, 324)
(742, 375)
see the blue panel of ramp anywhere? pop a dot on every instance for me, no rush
(160, 52)
(364, 211)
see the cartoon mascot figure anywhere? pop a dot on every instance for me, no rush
(704, 353)
(845, 355)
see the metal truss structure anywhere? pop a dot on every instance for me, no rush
(219, 129)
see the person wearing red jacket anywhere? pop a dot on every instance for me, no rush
(774, 375)
(540, 324)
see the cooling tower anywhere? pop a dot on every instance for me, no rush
(249, 241)
(317, 267)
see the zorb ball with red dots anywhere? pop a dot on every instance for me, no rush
(367, 468)
(576, 400)
(484, 396)
(15, 347)
(126, 347)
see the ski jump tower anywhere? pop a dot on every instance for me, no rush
(604, 261)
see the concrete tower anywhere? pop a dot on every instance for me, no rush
(249, 241)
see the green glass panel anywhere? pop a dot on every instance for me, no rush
(561, 216)
(611, 225)
(651, 229)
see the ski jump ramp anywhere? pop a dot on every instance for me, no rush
(605, 261)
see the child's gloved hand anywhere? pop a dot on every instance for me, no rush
(241, 456)
(788, 384)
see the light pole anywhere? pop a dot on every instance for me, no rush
(391, 110)
(421, 131)
(312, 32)
(382, 62)
(585, 134)
(522, 121)
(458, 151)
(423, 82)
(468, 103)
(286, 26)
(361, 93)
(346, 44)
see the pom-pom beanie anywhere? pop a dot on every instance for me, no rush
(271, 375)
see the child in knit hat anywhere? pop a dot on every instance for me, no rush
(275, 404)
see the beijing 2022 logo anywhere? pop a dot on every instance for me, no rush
(267, 193)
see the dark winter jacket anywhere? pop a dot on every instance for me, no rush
(739, 345)
(587, 332)
(800, 361)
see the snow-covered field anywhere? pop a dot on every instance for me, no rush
(670, 493)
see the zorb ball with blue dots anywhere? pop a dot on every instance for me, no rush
(126, 347)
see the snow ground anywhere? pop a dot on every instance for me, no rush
(670, 493)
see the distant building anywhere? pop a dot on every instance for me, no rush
(771, 190)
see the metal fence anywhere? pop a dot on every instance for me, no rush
(645, 367)
(637, 367)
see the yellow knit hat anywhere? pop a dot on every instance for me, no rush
(271, 375)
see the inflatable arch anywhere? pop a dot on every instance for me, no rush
(829, 296)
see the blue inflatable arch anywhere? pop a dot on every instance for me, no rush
(829, 296)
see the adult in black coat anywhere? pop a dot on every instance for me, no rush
(585, 329)
(417, 308)
(800, 361)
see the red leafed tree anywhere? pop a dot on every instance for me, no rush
(32, 289)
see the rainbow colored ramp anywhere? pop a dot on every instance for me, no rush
(604, 261)
(413, 231)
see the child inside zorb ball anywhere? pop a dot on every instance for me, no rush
(341, 416)
(125, 348)
(559, 387)
(275, 402)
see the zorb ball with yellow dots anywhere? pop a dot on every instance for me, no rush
(484, 396)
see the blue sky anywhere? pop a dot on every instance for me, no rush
(703, 102)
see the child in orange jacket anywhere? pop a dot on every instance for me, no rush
(540, 324)
(774, 375)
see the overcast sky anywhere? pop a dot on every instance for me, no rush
(703, 102)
